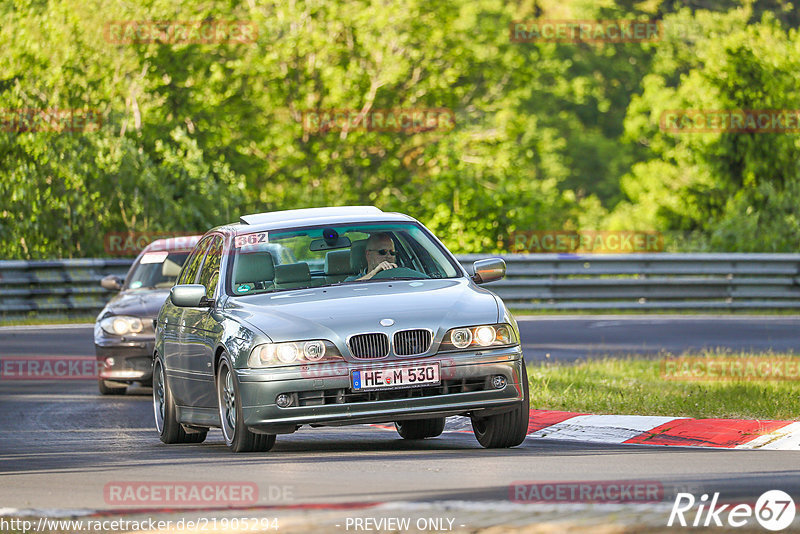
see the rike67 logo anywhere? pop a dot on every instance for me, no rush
(774, 510)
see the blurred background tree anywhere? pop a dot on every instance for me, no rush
(546, 136)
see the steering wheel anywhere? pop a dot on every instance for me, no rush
(400, 272)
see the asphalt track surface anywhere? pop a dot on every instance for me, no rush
(562, 338)
(61, 443)
(569, 338)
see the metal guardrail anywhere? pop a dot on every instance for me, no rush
(57, 287)
(648, 281)
(534, 281)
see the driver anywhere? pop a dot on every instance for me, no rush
(380, 255)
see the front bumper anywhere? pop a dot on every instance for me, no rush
(323, 395)
(133, 359)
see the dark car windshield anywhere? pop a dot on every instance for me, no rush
(155, 270)
(330, 255)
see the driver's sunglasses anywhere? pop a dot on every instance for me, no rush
(384, 252)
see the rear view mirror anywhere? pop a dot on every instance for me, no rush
(488, 270)
(329, 244)
(189, 296)
(111, 282)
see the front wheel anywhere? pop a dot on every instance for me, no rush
(169, 429)
(237, 436)
(420, 428)
(507, 429)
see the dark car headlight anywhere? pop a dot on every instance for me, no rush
(120, 325)
(293, 353)
(481, 336)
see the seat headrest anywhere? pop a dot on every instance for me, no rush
(170, 269)
(358, 256)
(338, 262)
(292, 272)
(254, 267)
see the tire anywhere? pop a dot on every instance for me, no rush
(506, 429)
(237, 436)
(420, 428)
(169, 429)
(105, 389)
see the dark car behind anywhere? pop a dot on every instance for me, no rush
(123, 332)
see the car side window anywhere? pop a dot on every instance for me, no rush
(189, 273)
(209, 274)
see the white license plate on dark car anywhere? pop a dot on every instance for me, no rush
(407, 376)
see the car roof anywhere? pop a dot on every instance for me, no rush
(315, 216)
(184, 242)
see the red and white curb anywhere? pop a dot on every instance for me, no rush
(653, 430)
(658, 430)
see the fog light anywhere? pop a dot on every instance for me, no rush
(498, 381)
(109, 362)
(283, 400)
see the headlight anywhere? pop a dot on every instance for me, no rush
(286, 352)
(485, 335)
(119, 325)
(314, 350)
(472, 337)
(461, 337)
(293, 352)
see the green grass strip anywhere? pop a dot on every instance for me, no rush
(638, 386)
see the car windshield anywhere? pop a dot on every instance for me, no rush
(156, 270)
(278, 260)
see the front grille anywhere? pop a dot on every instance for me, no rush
(411, 342)
(369, 346)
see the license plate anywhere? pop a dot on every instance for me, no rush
(408, 376)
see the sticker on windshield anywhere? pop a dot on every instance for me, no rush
(136, 285)
(154, 257)
(244, 288)
(251, 239)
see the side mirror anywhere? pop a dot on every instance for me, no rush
(111, 282)
(488, 270)
(189, 296)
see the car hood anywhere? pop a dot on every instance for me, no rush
(336, 312)
(142, 303)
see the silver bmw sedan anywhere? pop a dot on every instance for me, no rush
(334, 316)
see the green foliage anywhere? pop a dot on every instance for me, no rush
(546, 136)
(738, 190)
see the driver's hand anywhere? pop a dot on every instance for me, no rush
(382, 266)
